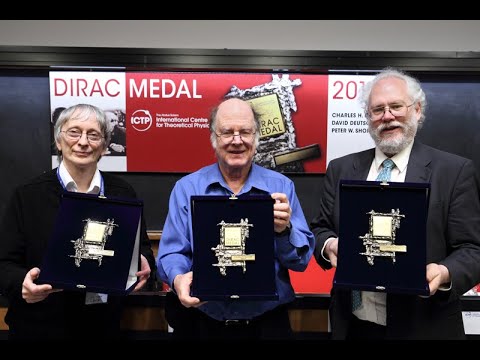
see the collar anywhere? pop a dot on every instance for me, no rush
(70, 185)
(254, 179)
(400, 159)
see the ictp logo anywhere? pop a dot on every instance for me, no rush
(141, 120)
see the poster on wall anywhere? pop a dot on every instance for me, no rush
(103, 89)
(159, 120)
(347, 125)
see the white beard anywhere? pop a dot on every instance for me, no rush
(393, 145)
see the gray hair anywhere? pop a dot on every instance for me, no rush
(83, 112)
(213, 121)
(414, 90)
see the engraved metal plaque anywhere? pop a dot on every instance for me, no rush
(231, 249)
(91, 246)
(380, 240)
(275, 103)
(377, 254)
(271, 118)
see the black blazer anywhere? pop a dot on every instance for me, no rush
(453, 239)
(24, 232)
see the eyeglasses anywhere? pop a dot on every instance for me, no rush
(396, 109)
(228, 136)
(75, 135)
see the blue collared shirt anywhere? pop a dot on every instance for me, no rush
(293, 251)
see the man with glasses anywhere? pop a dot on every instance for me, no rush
(38, 311)
(234, 135)
(394, 104)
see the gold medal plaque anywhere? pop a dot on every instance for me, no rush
(231, 249)
(380, 240)
(91, 246)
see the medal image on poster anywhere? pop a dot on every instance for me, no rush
(274, 103)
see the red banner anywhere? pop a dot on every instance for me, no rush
(165, 116)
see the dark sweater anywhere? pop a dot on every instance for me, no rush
(24, 233)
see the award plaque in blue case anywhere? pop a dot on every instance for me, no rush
(233, 248)
(382, 238)
(95, 245)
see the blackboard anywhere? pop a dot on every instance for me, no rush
(452, 124)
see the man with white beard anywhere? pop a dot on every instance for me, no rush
(394, 104)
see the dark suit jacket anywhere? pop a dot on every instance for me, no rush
(24, 232)
(453, 239)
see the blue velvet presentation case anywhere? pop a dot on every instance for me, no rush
(382, 237)
(233, 248)
(95, 245)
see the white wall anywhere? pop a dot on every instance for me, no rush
(355, 35)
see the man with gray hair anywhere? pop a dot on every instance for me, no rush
(40, 311)
(234, 135)
(394, 104)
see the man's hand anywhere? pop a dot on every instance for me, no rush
(182, 284)
(32, 292)
(143, 274)
(331, 251)
(117, 148)
(437, 275)
(281, 212)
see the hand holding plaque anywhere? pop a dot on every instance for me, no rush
(233, 255)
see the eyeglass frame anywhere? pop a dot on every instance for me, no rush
(232, 135)
(367, 113)
(81, 134)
